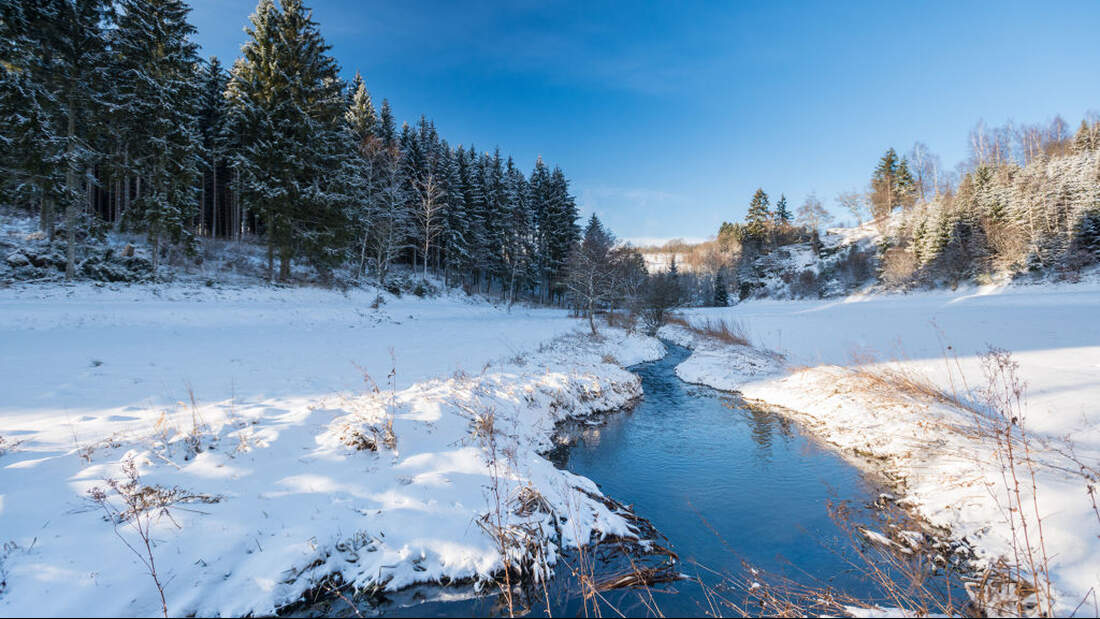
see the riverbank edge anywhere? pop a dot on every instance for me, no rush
(765, 380)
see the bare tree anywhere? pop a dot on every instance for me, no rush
(854, 202)
(1029, 143)
(591, 275)
(390, 219)
(925, 167)
(429, 214)
(664, 293)
(812, 214)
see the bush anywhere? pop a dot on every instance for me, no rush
(898, 266)
(806, 284)
(856, 266)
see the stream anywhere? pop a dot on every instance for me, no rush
(726, 484)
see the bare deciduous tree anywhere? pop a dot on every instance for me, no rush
(855, 202)
(429, 214)
(812, 214)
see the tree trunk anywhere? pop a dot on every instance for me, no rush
(362, 258)
(70, 202)
(284, 264)
(156, 251)
(214, 203)
(270, 257)
(202, 205)
(43, 219)
(427, 245)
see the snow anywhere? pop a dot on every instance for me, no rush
(950, 476)
(286, 440)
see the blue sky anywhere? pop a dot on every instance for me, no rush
(666, 116)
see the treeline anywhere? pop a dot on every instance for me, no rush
(111, 120)
(1028, 201)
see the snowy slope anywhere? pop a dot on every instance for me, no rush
(284, 455)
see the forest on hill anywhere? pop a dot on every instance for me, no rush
(1026, 204)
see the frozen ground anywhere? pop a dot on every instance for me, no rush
(950, 475)
(284, 470)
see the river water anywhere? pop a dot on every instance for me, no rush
(727, 485)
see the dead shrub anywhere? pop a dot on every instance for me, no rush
(719, 329)
(898, 266)
(806, 285)
(141, 507)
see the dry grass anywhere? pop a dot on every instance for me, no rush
(728, 332)
(888, 382)
(1019, 584)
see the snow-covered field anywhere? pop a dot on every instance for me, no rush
(951, 477)
(283, 469)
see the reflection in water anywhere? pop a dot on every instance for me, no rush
(761, 433)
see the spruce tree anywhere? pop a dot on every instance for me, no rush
(456, 247)
(386, 128)
(519, 227)
(295, 147)
(213, 128)
(721, 293)
(539, 199)
(782, 213)
(158, 94)
(31, 150)
(758, 219)
(563, 231)
(367, 160)
(892, 185)
(361, 117)
(1084, 139)
(74, 59)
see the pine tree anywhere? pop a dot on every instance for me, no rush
(212, 119)
(782, 213)
(1084, 139)
(563, 232)
(892, 185)
(473, 194)
(519, 227)
(496, 217)
(721, 293)
(295, 158)
(759, 217)
(158, 94)
(539, 199)
(386, 124)
(366, 158)
(361, 118)
(906, 185)
(73, 45)
(31, 151)
(456, 247)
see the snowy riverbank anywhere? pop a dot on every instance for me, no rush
(855, 373)
(290, 465)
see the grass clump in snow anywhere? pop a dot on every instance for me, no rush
(731, 332)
